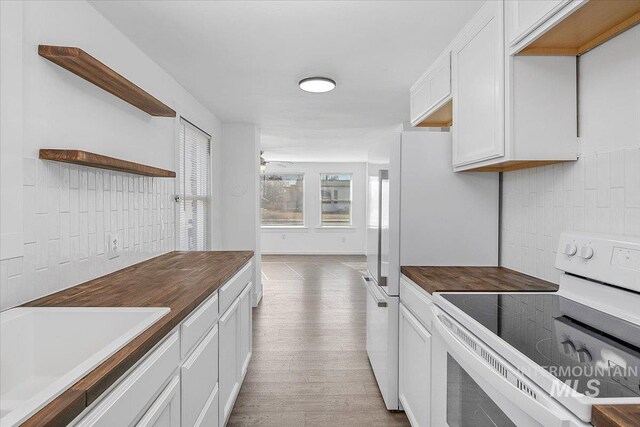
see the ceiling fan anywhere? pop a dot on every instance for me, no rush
(279, 163)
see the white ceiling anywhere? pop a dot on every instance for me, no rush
(243, 59)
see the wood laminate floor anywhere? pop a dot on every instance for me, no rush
(310, 365)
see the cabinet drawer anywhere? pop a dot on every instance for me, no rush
(127, 400)
(209, 415)
(417, 300)
(165, 411)
(230, 290)
(199, 378)
(198, 323)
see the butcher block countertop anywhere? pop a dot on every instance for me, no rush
(500, 279)
(178, 280)
(616, 415)
(475, 279)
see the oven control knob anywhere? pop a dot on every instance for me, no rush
(570, 249)
(568, 347)
(584, 356)
(586, 252)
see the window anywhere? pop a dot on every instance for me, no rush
(193, 188)
(335, 199)
(282, 199)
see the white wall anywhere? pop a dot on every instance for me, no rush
(240, 183)
(65, 208)
(598, 193)
(313, 239)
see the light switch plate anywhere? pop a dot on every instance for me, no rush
(113, 249)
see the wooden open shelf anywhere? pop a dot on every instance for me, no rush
(85, 158)
(587, 27)
(513, 165)
(441, 118)
(89, 68)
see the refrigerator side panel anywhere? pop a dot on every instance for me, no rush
(447, 218)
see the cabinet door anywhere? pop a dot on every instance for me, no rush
(432, 91)
(419, 97)
(245, 331)
(524, 16)
(228, 382)
(478, 87)
(199, 378)
(165, 411)
(439, 82)
(415, 369)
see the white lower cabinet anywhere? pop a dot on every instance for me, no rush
(235, 351)
(165, 411)
(199, 378)
(415, 369)
(193, 376)
(246, 327)
(228, 381)
(127, 401)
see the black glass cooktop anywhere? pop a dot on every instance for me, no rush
(593, 352)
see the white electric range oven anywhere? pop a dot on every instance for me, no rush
(542, 359)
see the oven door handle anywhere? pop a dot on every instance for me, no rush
(542, 409)
(375, 293)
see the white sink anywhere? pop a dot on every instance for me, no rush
(43, 351)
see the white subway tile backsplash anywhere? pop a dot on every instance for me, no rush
(617, 211)
(91, 179)
(632, 178)
(74, 211)
(632, 221)
(53, 171)
(42, 237)
(603, 180)
(14, 266)
(53, 213)
(29, 171)
(73, 176)
(599, 193)
(590, 172)
(84, 236)
(617, 168)
(67, 211)
(29, 214)
(64, 237)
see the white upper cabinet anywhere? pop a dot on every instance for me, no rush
(506, 112)
(477, 58)
(524, 16)
(430, 93)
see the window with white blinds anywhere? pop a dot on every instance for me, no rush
(193, 188)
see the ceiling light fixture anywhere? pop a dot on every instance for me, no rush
(317, 84)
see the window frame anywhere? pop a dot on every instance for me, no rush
(304, 202)
(345, 225)
(179, 192)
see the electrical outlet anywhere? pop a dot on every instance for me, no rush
(113, 250)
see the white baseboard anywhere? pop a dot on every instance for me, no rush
(312, 253)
